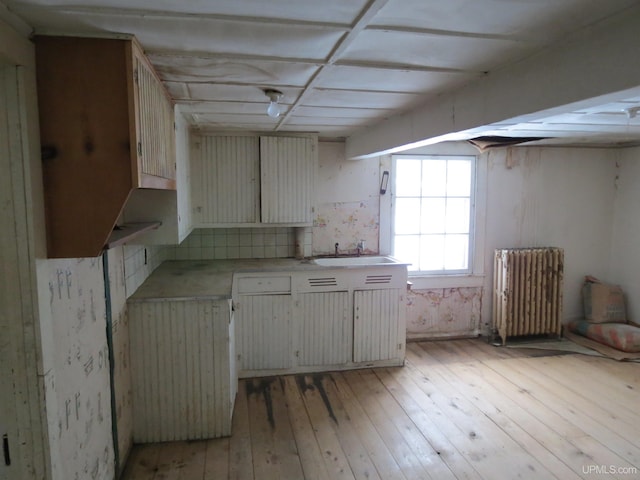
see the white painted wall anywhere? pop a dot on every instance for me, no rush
(561, 197)
(625, 260)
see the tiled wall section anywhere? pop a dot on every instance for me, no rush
(140, 261)
(226, 243)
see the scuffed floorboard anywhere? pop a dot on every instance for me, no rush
(459, 409)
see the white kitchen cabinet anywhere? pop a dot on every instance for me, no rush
(226, 180)
(246, 180)
(330, 318)
(262, 307)
(184, 378)
(324, 332)
(170, 207)
(286, 179)
(264, 332)
(378, 327)
(106, 129)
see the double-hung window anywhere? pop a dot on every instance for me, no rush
(432, 224)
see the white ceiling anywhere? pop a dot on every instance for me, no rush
(345, 66)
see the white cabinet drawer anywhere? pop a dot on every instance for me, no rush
(258, 285)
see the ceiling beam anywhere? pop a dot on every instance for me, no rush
(363, 19)
(595, 61)
(181, 15)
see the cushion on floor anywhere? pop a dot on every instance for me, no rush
(620, 336)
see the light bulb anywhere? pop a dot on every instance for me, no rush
(273, 110)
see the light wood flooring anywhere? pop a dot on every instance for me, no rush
(458, 410)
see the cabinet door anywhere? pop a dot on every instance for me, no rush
(325, 331)
(154, 126)
(263, 328)
(182, 381)
(225, 180)
(376, 316)
(286, 169)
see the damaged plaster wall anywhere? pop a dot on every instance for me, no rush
(77, 389)
(533, 197)
(347, 207)
(443, 312)
(121, 368)
(77, 385)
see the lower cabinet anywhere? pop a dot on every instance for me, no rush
(376, 320)
(184, 378)
(264, 332)
(324, 330)
(319, 321)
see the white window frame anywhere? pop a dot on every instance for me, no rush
(470, 249)
(474, 277)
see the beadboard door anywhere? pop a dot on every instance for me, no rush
(325, 334)
(225, 180)
(286, 179)
(183, 377)
(264, 332)
(376, 325)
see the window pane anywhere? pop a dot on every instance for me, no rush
(434, 178)
(433, 215)
(432, 212)
(408, 178)
(432, 252)
(407, 249)
(457, 216)
(456, 253)
(458, 178)
(407, 215)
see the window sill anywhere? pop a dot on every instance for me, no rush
(422, 282)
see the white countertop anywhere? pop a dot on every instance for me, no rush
(183, 279)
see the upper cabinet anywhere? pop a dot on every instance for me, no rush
(253, 181)
(171, 207)
(106, 128)
(286, 179)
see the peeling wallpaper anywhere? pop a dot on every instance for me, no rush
(120, 331)
(444, 312)
(346, 223)
(77, 382)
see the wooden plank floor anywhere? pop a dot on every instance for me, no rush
(459, 409)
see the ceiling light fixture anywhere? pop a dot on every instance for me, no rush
(273, 110)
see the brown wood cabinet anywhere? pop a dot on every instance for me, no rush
(106, 128)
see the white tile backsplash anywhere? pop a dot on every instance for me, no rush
(140, 261)
(229, 243)
(213, 244)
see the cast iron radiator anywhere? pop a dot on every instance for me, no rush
(527, 292)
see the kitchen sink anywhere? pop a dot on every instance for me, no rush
(356, 261)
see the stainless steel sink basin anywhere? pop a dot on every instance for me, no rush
(356, 261)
